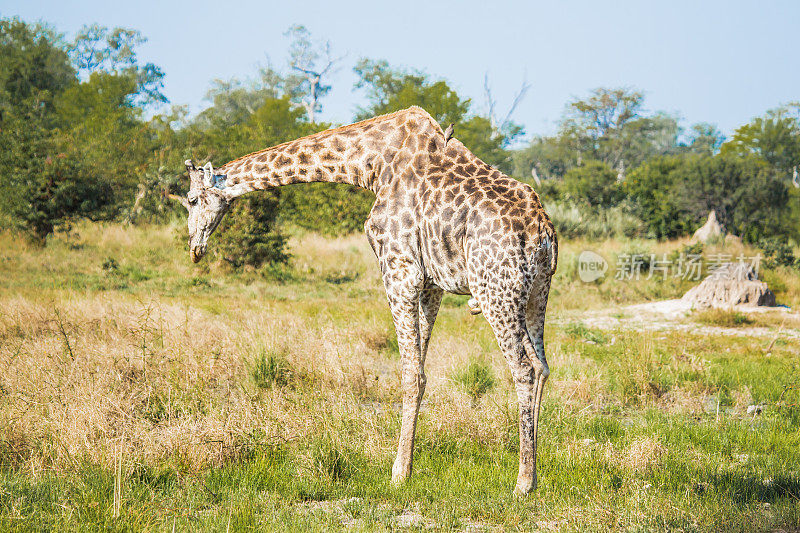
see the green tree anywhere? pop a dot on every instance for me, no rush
(388, 90)
(46, 184)
(651, 186)
(103, 116)
(595, 183)
(551, 157)
(96, 49)
(610, 126)
(774, 137)
(673, 195)
(705, 139)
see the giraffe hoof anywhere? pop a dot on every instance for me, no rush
(474, 307)
(524, 487)
(399, 479)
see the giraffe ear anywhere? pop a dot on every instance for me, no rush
(208, 175)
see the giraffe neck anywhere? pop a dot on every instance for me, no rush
(365, 154)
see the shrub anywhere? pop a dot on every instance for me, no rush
(477, 379)
(247, 236)
(594, 183)
(52, 192)
(326, 208)
(673, 195)
(776, 251)
(582, 221)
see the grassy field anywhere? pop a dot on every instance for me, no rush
(141, 392)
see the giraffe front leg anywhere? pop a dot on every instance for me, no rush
(413, 376)
(404, 292)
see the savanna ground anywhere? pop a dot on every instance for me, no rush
(141, 392)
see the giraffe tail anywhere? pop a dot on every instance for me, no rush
(551, 242)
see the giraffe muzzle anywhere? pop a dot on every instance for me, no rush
(197, 253)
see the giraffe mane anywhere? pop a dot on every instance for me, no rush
(412, 109)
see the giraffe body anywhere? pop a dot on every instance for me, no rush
(443, 220)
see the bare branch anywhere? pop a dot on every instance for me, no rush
(490, 103)
(499, 126)
(523, 90)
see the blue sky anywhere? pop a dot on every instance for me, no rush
(722, 62)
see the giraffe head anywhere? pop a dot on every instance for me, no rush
(207, 206)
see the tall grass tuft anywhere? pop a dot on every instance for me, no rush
(726, 318)
(332, 460)
(271, 370)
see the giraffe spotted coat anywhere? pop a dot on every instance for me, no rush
(443, 220)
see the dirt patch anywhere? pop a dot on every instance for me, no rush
(674, 315)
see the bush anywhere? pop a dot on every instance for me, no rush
(776, 252)
(477, 379)
(326, 208)
(53, 192)
(594, 183)
(247, 235)
(673, 195)
(581, 221)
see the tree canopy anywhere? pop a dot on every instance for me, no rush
(85, 132)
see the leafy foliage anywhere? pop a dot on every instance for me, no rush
(247, 235)
(674, 194)
(388, 90)
(609, 126)
(594, 183)
(477, 379)
(76, 141)
(777, 252)
(62, 189)
(326, 208)
(44, 187)
(774, 137)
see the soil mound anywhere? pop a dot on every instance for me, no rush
(728, 285)
(710, 230)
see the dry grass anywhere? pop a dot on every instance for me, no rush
(165, 367)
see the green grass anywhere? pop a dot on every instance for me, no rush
(726, 318)
(703, 476)
(269, 400)
(477, 379)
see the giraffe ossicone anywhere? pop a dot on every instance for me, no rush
(443, 220)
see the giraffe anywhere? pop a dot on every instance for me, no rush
(443, 220)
